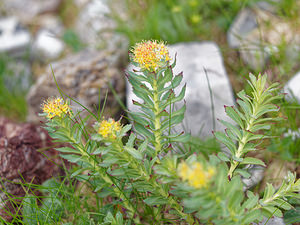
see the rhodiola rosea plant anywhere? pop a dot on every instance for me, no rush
(136, 173)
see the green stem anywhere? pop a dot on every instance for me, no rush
(157, 124)
(172, 202)
(239, 153)
(157, 187)
(104, 176)
(158, 147)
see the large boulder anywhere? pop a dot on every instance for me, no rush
(25, 150)
(208, 87)
(81, 76)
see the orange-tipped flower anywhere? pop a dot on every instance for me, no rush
(108, 128)
(196, 175)
(55, 107)
(150, 55)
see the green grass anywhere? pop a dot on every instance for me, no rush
(62, 200)
(12, 99)
(177, 20)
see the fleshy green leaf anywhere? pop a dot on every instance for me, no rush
(155, 200)
(136, 154)
(255, 161)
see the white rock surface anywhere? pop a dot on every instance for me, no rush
(47, 46)
(292, 88)
(14, 40)
(193, 59)
(271, 221)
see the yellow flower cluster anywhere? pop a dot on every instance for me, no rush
(108, 128)
(195, 175)
(151, 55)
(55, 107)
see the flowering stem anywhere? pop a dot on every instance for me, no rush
(157, 187)
(93, 162)
(157, 123)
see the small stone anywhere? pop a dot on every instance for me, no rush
(243, 24)
(47, 46)
(81, 76)
(196, 60)
(292, 88)
(14, 40)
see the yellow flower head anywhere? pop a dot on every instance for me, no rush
(150, 55)
(108, 128)
(55, 107)
(196, 175)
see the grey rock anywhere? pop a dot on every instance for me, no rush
(242, 25)
(95, 27)
(47, 46)
(257, 32)
(253, 54)
(14, 39)
(81, 76)
(257, 174)
(269, 5)
(271, 221)
(193, 59)
(27, 10)
(240, 35)
(292, 88)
